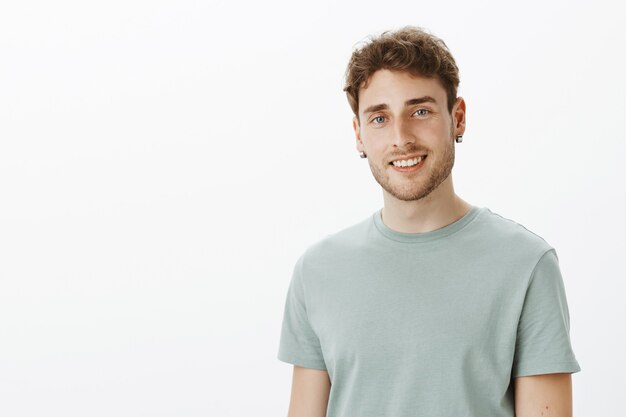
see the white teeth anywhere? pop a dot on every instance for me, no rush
(408, 162)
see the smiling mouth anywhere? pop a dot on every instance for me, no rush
(409, 164)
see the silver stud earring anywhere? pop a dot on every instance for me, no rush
(459, 139)
(362, 154)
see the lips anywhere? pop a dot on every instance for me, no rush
(420, 157)
(401, 158)
(409, 169)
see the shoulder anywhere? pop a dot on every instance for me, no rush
(511, 235)
(339, 245)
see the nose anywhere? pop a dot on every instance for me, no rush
(402, 134)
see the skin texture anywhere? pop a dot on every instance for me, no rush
(548, 395)
(310, 389)
(424, 200)
(419, 202)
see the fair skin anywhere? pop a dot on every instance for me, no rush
(419, 201)
(547, 395)
(423, 200)
(310, 389)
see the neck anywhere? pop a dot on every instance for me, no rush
(440, 208)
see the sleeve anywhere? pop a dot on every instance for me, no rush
(543, 343)
(299, 345)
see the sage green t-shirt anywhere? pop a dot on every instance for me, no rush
(428, 324)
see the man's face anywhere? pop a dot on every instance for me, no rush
(390, 130)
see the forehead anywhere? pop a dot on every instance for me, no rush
(394, 88)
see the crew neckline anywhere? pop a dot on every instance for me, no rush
(425, 236)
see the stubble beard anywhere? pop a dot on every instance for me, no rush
(418, 187)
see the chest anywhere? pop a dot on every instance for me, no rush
(407, 318)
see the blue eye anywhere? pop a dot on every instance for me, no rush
(419, 112)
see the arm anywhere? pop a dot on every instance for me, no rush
(546, 395)
(310, 389)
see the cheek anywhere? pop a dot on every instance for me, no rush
(375, 135)
(431, 130)
(440, 127)
(376, 143)
(441, 132)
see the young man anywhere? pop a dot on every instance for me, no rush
(431, 306)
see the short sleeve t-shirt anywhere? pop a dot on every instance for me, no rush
(426, 324)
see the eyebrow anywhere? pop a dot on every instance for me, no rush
(411, 102)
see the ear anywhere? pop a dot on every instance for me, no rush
(458, 116)
(357, 133)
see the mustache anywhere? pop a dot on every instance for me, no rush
(408, 152)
